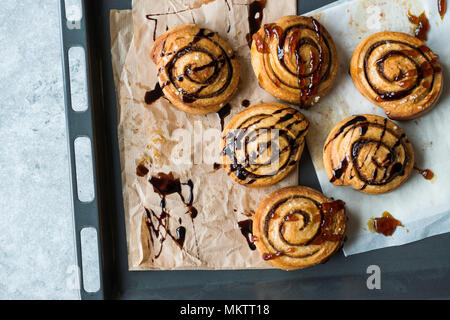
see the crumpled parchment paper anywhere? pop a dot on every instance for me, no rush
(150, 134)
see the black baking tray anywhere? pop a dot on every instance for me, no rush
(414, 271)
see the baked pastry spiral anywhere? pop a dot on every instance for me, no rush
(262, 144)
(297, 227)
(397, 72)
(295, 59)
(368, 152)
(197, 69)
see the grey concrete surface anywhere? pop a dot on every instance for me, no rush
(37, 252)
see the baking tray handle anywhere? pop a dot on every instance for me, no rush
(79, 124)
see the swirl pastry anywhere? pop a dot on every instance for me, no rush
(297, 227)
(368, 152)
(262, 144)
(295, 59)
(197, 69)
(397, 72)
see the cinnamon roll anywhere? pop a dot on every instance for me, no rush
(297, 227)
(369, 153)
(198, 70)
(295, 59)
(262, 144)
(397, 72)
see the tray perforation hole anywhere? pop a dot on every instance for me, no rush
(90, 259)
(78, 79)
(84, 169)
(74, 12)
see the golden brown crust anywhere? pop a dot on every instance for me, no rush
(295, 59)
(198, 70)
(397, 72)
(293, 229)
(369, 153)
(263, 144)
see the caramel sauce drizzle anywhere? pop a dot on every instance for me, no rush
(385, 225)
(316, 63)
(422, 25)
(270, 256)
(272, 30)
(327, 209)
(426, 173)
(408, 80)
(260, 43)
(307, 89)
(325, 234)
(333, 206)
(442, 8)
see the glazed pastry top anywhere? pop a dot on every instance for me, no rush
(298, 227)
(295, 59)
(370, 153)
(263, 144)
(397, 72)
(198, 71)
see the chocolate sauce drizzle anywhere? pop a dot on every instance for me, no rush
(324, 232)
(156, 25)
(238, 140)
(141, 170)
(164, 185)
(245, 103)
(337, 172)
(223, 113)
(385, 170)
(153, 95)
(409, 79)
(320, 56)
(255, 17)
(247, 231)
(156, 228)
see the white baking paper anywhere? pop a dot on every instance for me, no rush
(422, 206)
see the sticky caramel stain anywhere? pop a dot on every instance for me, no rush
(385, 225)
(442, 7)
(422, 25)
(426, 173)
